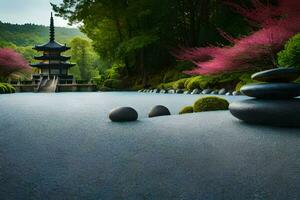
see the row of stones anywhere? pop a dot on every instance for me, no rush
(195, 91)
(125, 114)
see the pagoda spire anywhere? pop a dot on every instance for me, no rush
(52, 31)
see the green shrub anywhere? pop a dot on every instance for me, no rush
(166, 85)
(98, 80)
(115, 72)
(2, 89)
(290, 56)
(200, 82)
(10, 88)
(193, 83)
(173, 75)
(179, 84)
(113, 83)
(6, 88)
(210, 104)
(187, 109)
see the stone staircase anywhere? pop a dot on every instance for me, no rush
(48, 85)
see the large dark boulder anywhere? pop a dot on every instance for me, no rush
(272, 90)
(159, 110)
(268, 112)
(123, 114)
(277, 75)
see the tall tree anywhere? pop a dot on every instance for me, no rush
(142, 33)
(82, 56)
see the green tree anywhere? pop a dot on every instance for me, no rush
(140, 34)
(290, 56)
(81, 55)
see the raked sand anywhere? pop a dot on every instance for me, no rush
(63, 146)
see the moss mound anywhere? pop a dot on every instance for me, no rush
(187, 109)
(179, 84)
(210, 104)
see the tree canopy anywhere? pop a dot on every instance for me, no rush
(142, 34)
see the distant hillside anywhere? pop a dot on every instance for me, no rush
(30, 34)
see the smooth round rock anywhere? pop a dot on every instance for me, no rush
(268, 112)
(207, 91)
(223, 91)
(196, 91)
(179, 91)
(159, 110)
(123, 114)
(277, 75)
(272, 90)
(163, 91)
(236, 93)
(171, 91)
(215, 92)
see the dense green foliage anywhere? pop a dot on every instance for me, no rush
(231, 81)
(210, 104)
(290, 56)
(87, 61)
(186, 110)
(30, 34)
(140, 35)
(132, 44)
(22, 38)
(6, 88)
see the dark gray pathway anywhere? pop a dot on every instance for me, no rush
(62, 146)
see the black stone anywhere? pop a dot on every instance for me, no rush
(223, 91)
(268, 112)
(123, 114)
(272, 90)
(159, 111)
(196, 91)
(179, 91)
(215, 92)
(207, 91)
(277, 75)
(236, 93)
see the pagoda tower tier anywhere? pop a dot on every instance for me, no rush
(51, 62)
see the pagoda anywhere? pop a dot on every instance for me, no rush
(52, 63)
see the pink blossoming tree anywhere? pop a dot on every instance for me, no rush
(274, 25)
(11, 62)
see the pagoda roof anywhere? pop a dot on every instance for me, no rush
(52, 57)
(51, 45)
(52, 65)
